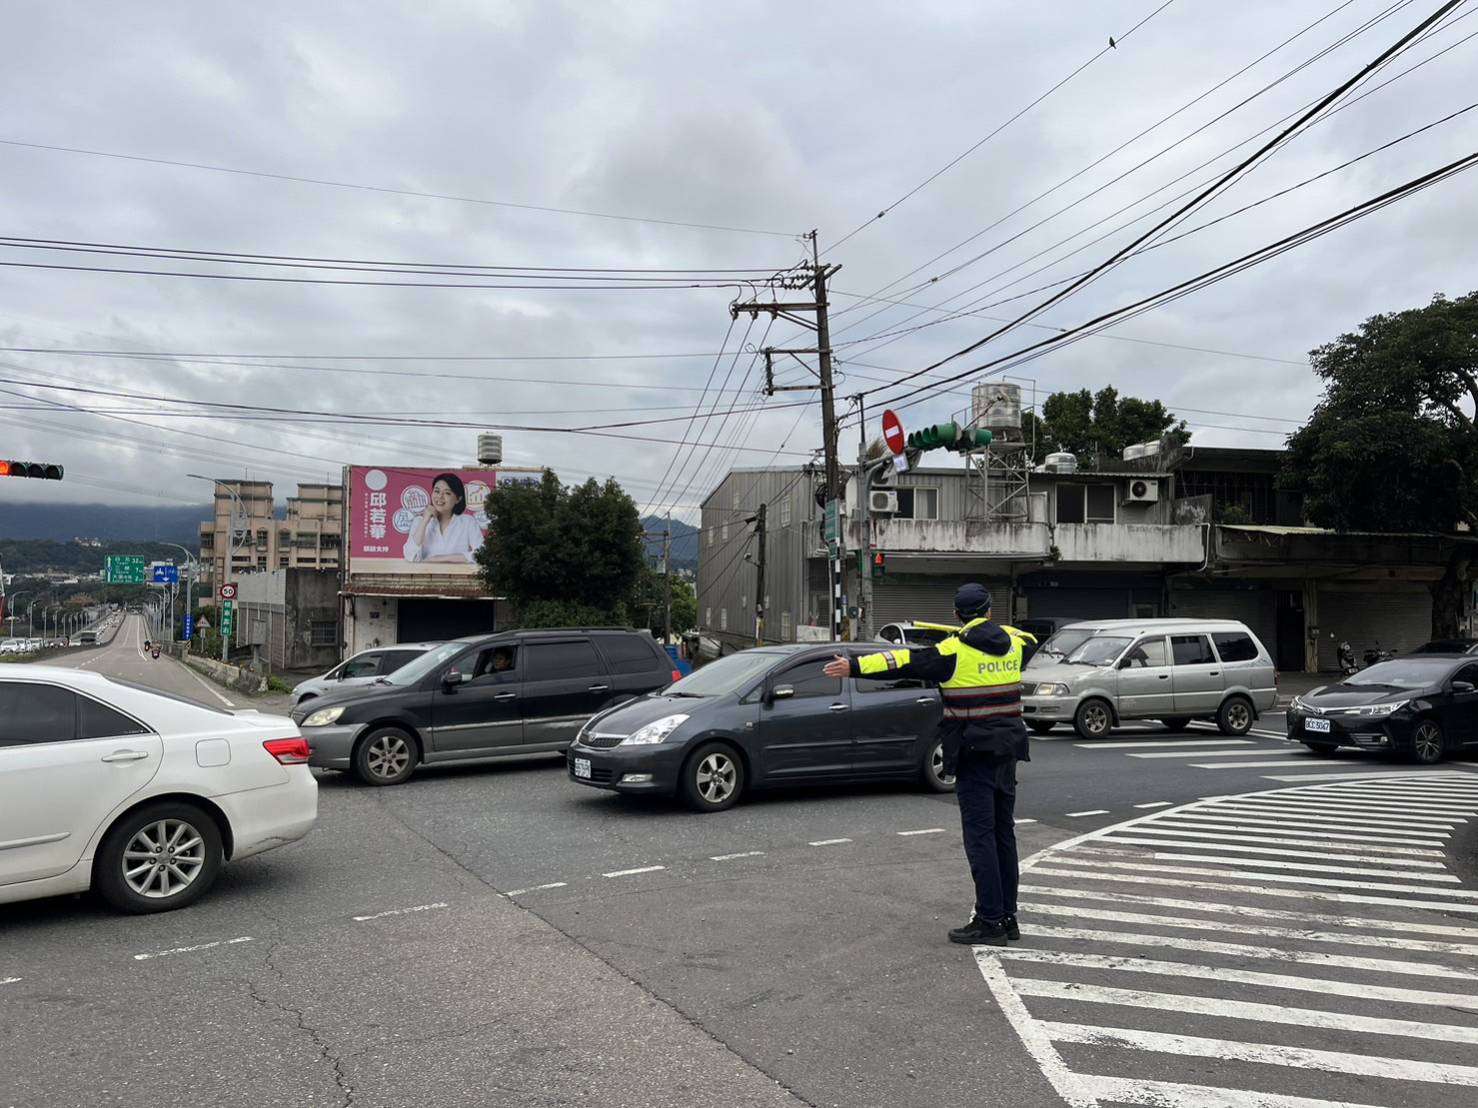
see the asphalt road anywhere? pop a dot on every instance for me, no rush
(499, 935)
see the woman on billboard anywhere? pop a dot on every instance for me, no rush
(444, 532)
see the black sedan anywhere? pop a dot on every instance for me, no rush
(1422, 707)
(763, 718)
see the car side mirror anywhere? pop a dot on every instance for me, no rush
(1125, 664)
(454, 677)
(1462, 686)
(781, 692)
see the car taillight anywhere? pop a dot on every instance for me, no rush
(290, 752)
(676, 676)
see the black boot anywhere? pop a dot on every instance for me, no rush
(980, 932)
(1013, 932)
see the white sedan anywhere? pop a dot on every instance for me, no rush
(138, 794)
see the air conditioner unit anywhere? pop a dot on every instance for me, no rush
(882, 502)
(1142, 491)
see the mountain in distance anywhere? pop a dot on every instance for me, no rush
(108, 522)
(684, 541)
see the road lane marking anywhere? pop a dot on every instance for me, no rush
(1362, 794)
(537, 888)
(1255, 752)
(1090, 812)
(1336, 814)
(1067, 1084)
(1256, 875)
(1207, 822)
(1141, 838)
(830, 842)
(924, 831)
(1021, 821)
(731, 857)
(1281, 914)
(1175, 829)
(207, 685)
(1155, 804)
(1284, 764)
(1257, 954)
(632, 872)
(1147, 744)
(402, 911)
(1371, 772)
(1175, 1094)
(191, 949)
(8, 980)
(1259, 890)
(1245, 1010)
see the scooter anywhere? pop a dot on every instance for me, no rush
(1345, 654)
(1376, 654)
(156, 653)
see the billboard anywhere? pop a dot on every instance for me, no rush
(429, 521)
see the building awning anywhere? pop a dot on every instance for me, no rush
(411, 593)
(1315, 532)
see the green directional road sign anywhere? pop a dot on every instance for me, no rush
(228, 618)
(126, 569)
(833, 520)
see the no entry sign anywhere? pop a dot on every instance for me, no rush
(893, 432)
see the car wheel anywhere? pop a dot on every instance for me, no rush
(1234, 717)
(932, 771)
(1427, 744)
(1041, 727)
(386, 756)
(1094, 719)
(1177, 723)
(162, 857)
(1323, 750)
(713, 778)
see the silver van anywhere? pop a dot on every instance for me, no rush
(1171, 670)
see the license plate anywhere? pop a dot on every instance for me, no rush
(1319, 725)
(582, 768)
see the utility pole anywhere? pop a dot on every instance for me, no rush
(814, 276)
(864, 520)
(667, 583)
(759, 576)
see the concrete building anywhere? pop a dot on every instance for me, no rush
(290, 618)
(1168, 531)
(309, 535)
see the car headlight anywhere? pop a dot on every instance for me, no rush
(1378, 711)
(1051, 688)
(1298, 704)
(655, 731)
(324, 716)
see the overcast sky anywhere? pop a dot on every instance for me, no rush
(773, 117)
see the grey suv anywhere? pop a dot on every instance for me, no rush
(475, 699)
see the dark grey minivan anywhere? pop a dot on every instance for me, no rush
(767, 717)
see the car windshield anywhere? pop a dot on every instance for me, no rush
(924, 635)
(412, 672)
(725, 675)
(1402, 673)
(1099, 650)
(1065, 642)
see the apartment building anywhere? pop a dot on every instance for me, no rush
(245, 534)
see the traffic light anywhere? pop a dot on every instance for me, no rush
(879, 564)
(949, 436)
(47, 471)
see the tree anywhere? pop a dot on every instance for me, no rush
(1097, 427)
(1390, 447)
(648, 607)
(564, 556)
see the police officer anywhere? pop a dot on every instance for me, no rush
(978, 671)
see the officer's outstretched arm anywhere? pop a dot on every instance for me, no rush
(923, 663)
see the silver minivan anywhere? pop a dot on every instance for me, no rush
(1171, 670)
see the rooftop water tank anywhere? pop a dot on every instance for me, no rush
(490, 449)
(1138, 450)
(996, 406)
(1062, 462)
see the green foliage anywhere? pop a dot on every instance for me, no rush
(1233, 515)
(648, 603)
(563, 556)
(37, 555)
(1097, 427)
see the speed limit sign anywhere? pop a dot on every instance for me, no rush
(228, 591)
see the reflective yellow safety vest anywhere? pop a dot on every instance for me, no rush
(984, 686)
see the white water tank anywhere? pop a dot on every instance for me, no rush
(1061, 462)
(490, 449)
(1138, 450)
(996, 406)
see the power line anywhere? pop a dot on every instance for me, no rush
(386, 190)
(999, 128)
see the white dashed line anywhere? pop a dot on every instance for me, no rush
(1155, 804)
(537, 888)
(401, 911)
(1090, 812)
(191, 949)
(830, 842)
(925, 831)
(630, 872)
(8, 980)
(1021, 821)
(731, 857)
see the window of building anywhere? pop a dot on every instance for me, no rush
(31, 713)
(550, 661)
(786, 630)
(708, 617)
(723, 619)
(723, 535)
(1086, 503)
(323, 632)
(785, 512)
(1235, 646)
(918, 502)
(1191, 650)
(710, 536)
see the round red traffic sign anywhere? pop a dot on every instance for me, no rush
(228, 591)
(893, 432)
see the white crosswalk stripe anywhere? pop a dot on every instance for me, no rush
(1239, 952)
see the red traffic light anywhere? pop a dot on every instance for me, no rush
(46, 471)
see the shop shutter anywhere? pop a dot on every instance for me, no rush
(1398, 614)
(1080, 603)
(1257, 608)
(918, 598)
